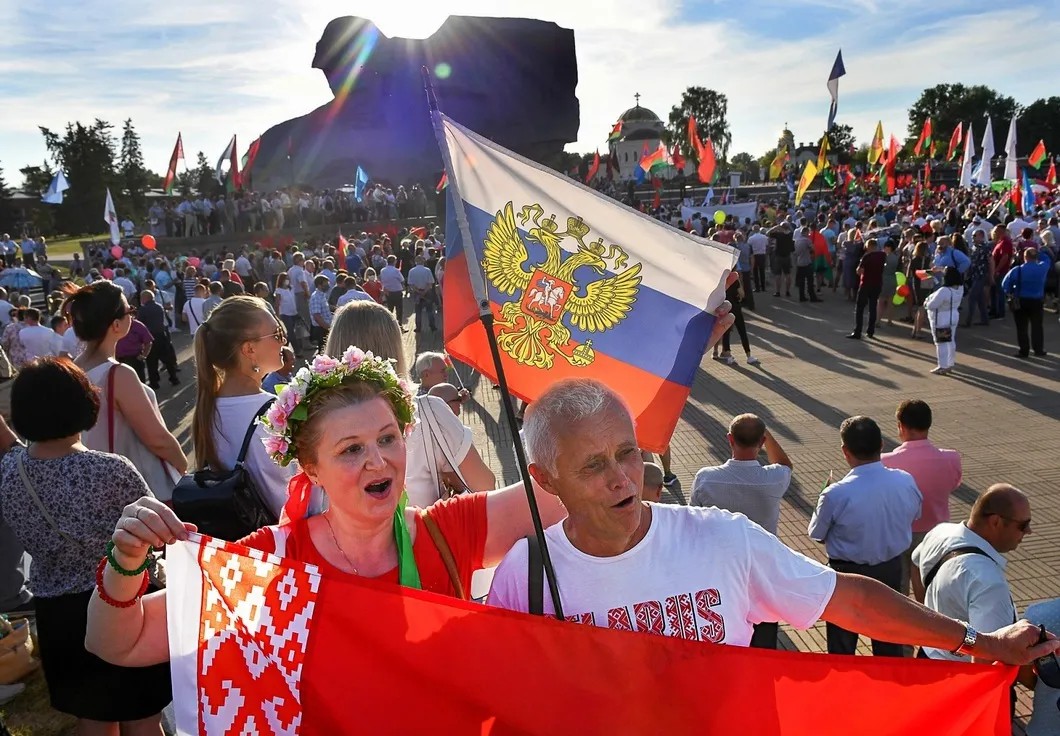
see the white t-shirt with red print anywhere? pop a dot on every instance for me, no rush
(699, 573)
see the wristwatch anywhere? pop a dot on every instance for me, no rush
(970, 636)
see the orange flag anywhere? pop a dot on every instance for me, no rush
(706, 162)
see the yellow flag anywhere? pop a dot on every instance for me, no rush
(876, 149)
(777, 165)
(822, 155)
(808, 175)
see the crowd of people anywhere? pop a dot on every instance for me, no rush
(365, 455)
(191, 216)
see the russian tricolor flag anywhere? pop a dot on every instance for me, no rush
(580, 286)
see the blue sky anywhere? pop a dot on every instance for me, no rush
(211, 68)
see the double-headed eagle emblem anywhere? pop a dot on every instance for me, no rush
(536, 327)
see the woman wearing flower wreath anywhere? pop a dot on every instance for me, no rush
(345, 421)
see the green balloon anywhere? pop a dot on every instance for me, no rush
(719, 217)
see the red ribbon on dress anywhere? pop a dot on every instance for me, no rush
(299, 492)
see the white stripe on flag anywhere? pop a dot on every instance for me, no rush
(183, 607)
(673, 262)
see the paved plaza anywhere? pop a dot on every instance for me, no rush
(999, 411)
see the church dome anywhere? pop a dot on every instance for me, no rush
(638, 114)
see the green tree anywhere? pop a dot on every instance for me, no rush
(131, 170)
(35, 179)
(710, 109)
(950, 104)
(746, 164)
(7, 207)
(841, 142)
(1040, 121)
(204, 177)
(86, 155)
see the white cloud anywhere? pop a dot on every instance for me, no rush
(209, 68)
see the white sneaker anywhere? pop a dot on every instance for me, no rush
(729, 360)
(752, 360)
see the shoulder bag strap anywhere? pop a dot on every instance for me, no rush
(430, 421)
(535, 576)
(40, 505)
(110, 408)
(428, 452)
(445, 552)
(250, 431)
(952, 554)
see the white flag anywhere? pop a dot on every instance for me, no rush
(110, 216)
(966, 161)
(54, 195)
(1011, 162)
(985, 176)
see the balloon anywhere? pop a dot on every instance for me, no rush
(719, 217)
(108, 273)
(193, 262)
(148, 242)
(116, 251)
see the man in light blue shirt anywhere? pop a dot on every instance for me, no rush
(865, 521)
(947, 256)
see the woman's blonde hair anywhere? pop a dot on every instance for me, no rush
(217, 345)
(372, 328)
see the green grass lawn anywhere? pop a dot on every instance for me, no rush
(30, 714)
(64, 247)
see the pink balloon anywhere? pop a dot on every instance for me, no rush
(116, 251)
(108, 273)
(193, 262)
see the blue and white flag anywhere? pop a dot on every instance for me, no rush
(359, 184)
(709, 198)
(54, 195)
(1028, 196)
(838, 70)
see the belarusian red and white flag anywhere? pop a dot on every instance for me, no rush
(270, 647)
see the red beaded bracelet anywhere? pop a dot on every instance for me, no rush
(111, 601)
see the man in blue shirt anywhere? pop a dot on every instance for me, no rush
(865, 521)
(946, 256)
(1026, 283)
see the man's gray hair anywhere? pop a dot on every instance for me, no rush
(565, 403)
(424, 360)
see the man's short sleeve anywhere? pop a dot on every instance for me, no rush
(821, 521)
(785, 585)
(455, 436)
(509, 587)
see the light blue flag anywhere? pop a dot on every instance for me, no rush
(1028, 196)
(709, 198)
(54, 195)
(359, 184)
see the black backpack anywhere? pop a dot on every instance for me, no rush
(224, 504)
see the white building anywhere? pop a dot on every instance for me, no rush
(640, 127)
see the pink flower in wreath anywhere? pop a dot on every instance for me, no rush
(277, 417)
(288, 399)
(323, 364)
(275, 445)
(353, 357)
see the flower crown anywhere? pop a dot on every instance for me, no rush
(291, 408)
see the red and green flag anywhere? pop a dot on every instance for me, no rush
(955, 141)
(1050, 178)
(248, 161)
(1037, 155)
(655, 160)
(171, 172)
(616, 132)
(442, 183)
(925, 138)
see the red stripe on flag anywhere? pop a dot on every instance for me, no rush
(353, 656)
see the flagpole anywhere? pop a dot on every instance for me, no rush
(478, 286)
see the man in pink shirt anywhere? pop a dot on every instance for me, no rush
(937, 472)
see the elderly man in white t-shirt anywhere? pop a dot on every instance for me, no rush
(693, 573)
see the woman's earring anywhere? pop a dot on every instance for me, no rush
(256, 369)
